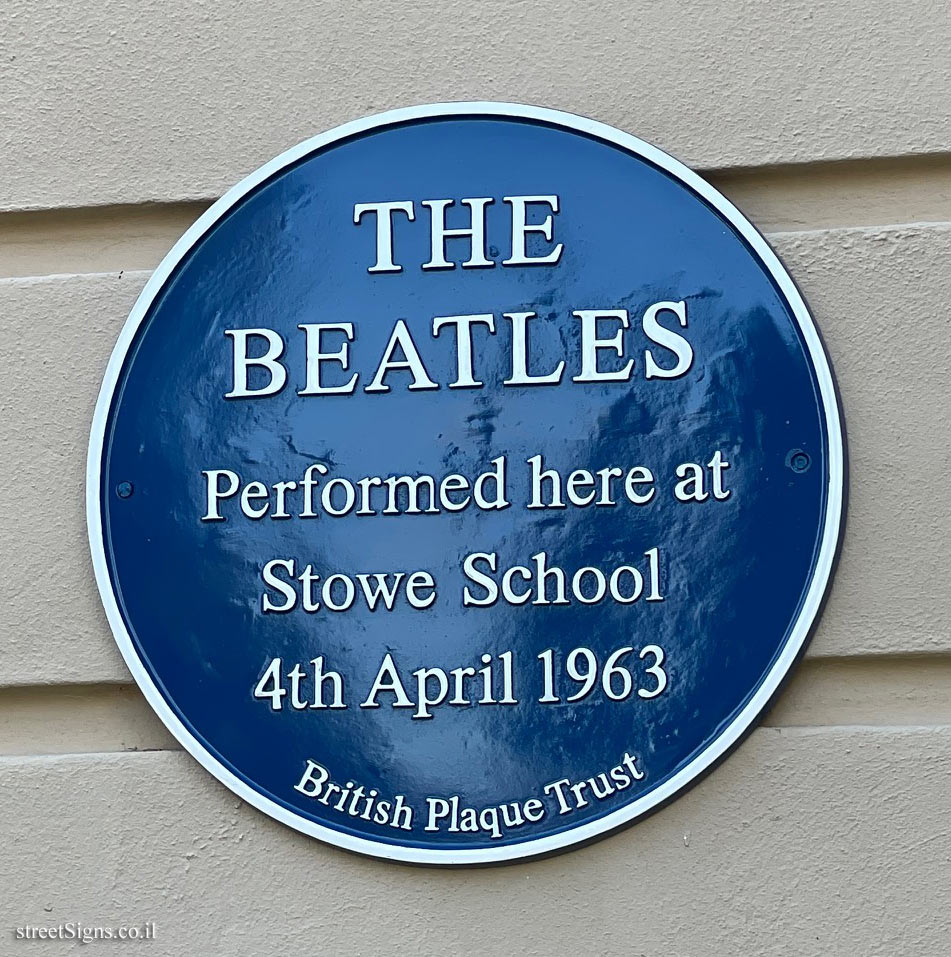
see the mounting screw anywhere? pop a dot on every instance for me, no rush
(124, 489)
(798, 461)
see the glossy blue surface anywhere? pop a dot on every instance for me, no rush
(733, 572)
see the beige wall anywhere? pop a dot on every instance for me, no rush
(828, 123)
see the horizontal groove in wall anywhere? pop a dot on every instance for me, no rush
(823, 693)
(92, 240)
(886, 691)
(776, 199)
(78, 719)
(841, 195)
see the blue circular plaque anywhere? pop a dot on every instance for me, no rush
(465, 483)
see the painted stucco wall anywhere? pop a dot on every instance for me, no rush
(829, 124)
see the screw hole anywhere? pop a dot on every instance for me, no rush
(798, 461)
